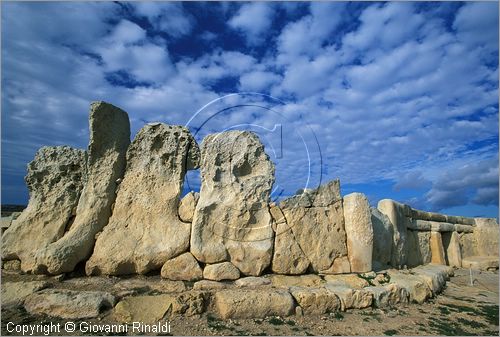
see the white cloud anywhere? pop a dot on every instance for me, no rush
(168, 17)
(258, 81)
(254, 21)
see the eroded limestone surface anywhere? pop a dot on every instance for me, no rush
(55, 180)
(109, 139)
(145, 222)
(232, 220)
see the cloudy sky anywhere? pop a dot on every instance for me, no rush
(398, 100)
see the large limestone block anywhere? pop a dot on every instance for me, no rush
(468, 245)
(359, 231)
(288, 258)
(464, 228)
(419, 225)
(416, 286)
(442, 226)
(221, 271)
(351, 298)
(182, 268)
(145, 220)
(315, 301)
(480, 262)
(253, 303)
(437, 249)
(69, 304)
(209, 285)
(382, 237)
(451, 244)
(397, 214)
(187, 206)
(317, 222)
(109, 139)
(55, 180)
(151, 309)
(14, 293)
(388, 295)
(252, 281)
(418, 248)
(352, 281)
(434, 277)
(285, 281)
(232, 220)
(486, 234)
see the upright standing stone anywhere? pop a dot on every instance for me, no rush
(232, 220)
(359, 230)
(453, 254)
(55, 180)
(398, 216)
(145, 221)
(109, 139)
(382, 237)
(317, 222)
(437, 250)
(486, 235)
(419, 250)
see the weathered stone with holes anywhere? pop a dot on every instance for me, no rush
(55, 180)
(253, 303)
(316, 220)
(288, 258)
(315, 301)
(145, 218)
(209, 285)
(182, 268)
(237, 176)
(109, 140)
(221, 271)
(359, 231)
(69, 304)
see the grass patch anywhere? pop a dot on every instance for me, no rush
(390, 332)
(276, 321)
(443, 310)
(290, 322)
(367, 279)
(215, 324)
(460, 308)
(472, 324)
(338, 316)
(490, 313)
(448, 328)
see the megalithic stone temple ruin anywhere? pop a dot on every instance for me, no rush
(115, 209)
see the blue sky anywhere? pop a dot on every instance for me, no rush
(398, 100)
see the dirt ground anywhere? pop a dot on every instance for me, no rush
(461, 309)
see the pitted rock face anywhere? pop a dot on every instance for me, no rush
(109, 139)
(55, 180)
(145, 222)
(232, 220)
(316, 220)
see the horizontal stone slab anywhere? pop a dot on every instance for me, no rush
(464, 228)
(419, 225)
(442, 226)
(460, 220)
(429, 216)
(480, 262)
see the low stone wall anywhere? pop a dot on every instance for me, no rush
(421, 237)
